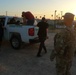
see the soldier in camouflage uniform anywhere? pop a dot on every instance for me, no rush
(64, 45)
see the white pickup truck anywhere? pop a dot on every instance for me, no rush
(17, 32)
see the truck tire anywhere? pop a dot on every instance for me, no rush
(15, 42)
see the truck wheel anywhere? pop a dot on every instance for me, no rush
(15, 42)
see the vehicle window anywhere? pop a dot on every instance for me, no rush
(2, 20)
(11, 21)
(18, 21)
(14, 20)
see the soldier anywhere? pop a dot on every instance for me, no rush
(64, 46)
(29, 17)
(42, 34)
(1, 32)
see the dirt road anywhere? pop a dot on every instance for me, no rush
(25, 62)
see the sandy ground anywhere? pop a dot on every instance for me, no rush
(25, 62)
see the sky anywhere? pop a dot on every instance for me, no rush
(37, 7)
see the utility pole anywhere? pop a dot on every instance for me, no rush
(55, 14)
(55, 18)
(61, 14)
(6, 13)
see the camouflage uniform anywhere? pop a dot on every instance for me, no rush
(64, 43)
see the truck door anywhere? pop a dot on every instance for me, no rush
(8, 22)
(6, 33)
